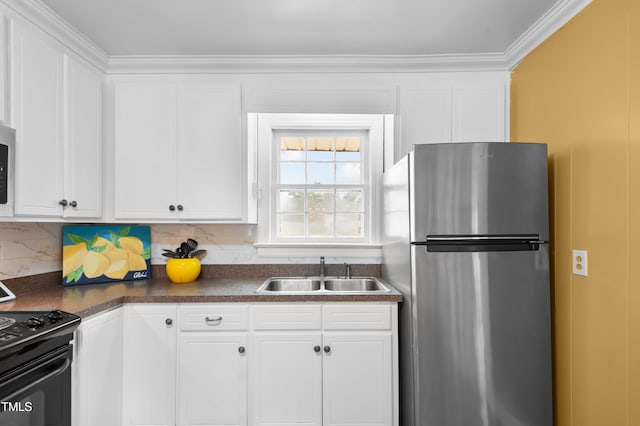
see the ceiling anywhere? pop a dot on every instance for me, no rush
(301, 27)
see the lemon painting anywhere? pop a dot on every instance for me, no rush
(93, 254)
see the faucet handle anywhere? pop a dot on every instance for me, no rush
(347, 270)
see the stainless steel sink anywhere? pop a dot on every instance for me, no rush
(291, 284)
(353, 284)
(322, 285)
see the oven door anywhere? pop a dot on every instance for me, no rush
(38, 393)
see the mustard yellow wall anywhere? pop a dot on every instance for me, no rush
(579, 92)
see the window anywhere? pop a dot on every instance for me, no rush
(319, 178)
(320, 184)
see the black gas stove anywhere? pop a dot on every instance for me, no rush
(35, 373)
(27, 334)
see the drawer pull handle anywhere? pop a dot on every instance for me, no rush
(213, 321)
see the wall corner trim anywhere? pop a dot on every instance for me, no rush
(561, 13)
(39, 14)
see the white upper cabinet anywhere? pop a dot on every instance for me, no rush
(479, 114)
(37, 116)
(178, 151)
(452, 108)
(210, 155)
(83, 141)
(145, 150)
(56, 109)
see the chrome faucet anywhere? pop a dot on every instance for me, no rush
(321, 266)
(347, 270)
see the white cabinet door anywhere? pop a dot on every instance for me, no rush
(83, 142)
(479, 114)
(212, 379)
(179, 152)
(149, 365)
(357, 379)
(37, 111)
(286, 379)
(145, 170)
(210, 154)
(426, 116)
(57, 112)
(97, 365)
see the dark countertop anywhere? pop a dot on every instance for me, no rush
(86, 300)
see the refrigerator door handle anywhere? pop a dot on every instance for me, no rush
(480, 244)
(476, 237)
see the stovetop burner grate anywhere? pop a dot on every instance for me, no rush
(6, 322)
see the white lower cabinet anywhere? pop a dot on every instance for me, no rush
(149, 365)
(357, 379)
(212, 365)
(239, 364)
(97, 371)
(286, 365)
(331, 364)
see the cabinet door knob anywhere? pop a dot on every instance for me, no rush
(180, 208)
(63, 202)
(317, 348)
(168, 321)
(241, 349)
(172, 207)
(327, 349)
(73, 204)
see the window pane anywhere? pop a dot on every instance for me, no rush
(291, 225)
(291, 201)
(349, 225)
(320, 173)
(291, 149)
(320, 225)
(291, 173)
(320, 149)
(348, 149)
(292, 155)
(320, 201)
(349, 201)
(347, 156)
(348, 173)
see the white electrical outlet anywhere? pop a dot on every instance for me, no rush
(580, 262)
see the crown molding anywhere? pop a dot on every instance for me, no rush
(252, 64)
(47, 20)
(561, 13)
(43, 17)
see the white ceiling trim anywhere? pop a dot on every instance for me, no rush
(42, 16)
(304, 63)
(561, 13)
(50, 22)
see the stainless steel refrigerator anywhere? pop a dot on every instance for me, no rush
(466, 241)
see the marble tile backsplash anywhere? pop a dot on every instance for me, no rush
(35, 248)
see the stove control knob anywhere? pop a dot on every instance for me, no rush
(35, 322)
(55, 316)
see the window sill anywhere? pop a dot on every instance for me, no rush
(372, 251)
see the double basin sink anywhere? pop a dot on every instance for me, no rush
(326, 285)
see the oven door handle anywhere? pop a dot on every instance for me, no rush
(34, 372)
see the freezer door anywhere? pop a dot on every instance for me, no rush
(479, 189)
(482, 352)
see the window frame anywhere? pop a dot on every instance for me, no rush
(372, 161)
(364, 185)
